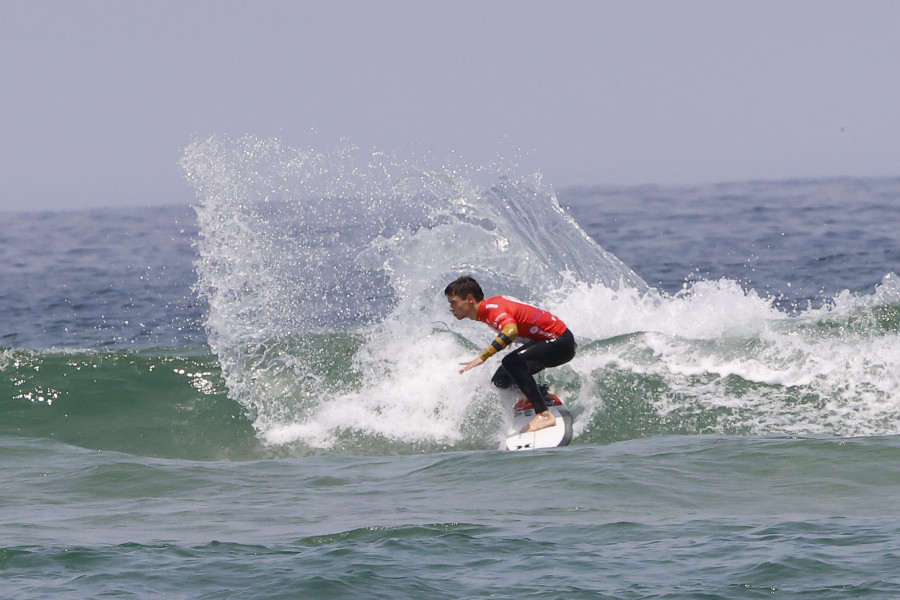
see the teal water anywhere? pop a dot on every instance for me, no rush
(256, 397)
(664, 517)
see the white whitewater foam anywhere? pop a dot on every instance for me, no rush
(297, 243)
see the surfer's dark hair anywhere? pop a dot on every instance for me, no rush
(464, 286)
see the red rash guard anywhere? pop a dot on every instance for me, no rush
(513, 319)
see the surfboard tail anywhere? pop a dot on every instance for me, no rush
(551, 437)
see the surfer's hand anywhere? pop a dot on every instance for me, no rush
(471, 364)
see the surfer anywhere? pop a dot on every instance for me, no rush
(548, 342)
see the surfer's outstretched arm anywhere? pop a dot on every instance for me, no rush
(506, 337)
(503, 339)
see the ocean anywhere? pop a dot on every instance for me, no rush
(257, 396)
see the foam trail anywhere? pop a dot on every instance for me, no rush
(719, 359)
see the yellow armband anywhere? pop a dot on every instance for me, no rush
(506, 337)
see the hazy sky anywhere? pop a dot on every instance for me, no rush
(98, 98)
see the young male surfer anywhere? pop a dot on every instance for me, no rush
(548, 342)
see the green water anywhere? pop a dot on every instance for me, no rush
(663, 517)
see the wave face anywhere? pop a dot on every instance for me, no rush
(155, 402)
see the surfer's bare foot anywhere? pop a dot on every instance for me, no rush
(540, 421)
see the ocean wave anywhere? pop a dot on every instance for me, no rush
(724, 363)
(328, 331)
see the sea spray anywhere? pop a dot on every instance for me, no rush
(323, 273)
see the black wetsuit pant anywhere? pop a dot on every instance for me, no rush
(519, 366)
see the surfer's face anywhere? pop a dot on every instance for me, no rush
(463, 308)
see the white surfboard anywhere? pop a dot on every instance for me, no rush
(551, 437)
